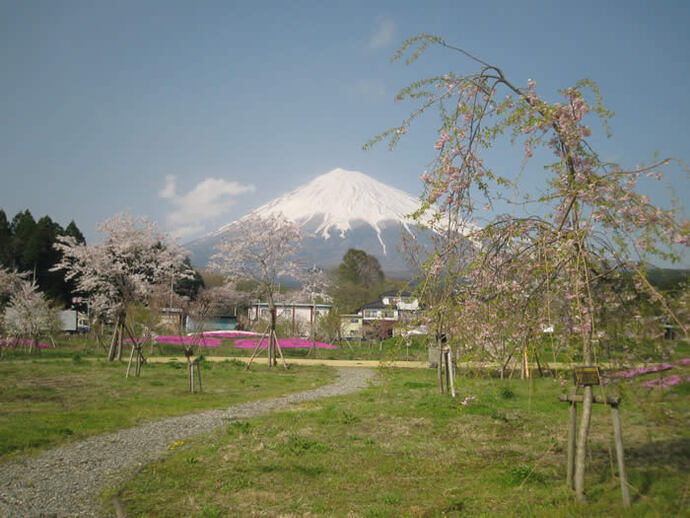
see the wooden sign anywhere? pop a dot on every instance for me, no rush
(587, 375)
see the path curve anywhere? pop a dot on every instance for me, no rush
(66, 481)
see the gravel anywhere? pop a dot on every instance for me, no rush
(67, 481)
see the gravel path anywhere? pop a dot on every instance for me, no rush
(66, 481)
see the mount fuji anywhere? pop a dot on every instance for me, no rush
(335, 211)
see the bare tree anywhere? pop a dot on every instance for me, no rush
(261, 250)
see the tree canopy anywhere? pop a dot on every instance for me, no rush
(27, 245)
(358, 279)
(555, 262)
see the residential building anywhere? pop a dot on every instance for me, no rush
(300, 315)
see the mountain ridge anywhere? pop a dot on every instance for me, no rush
(337, 210)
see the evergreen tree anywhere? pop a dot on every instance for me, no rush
(73, 230)
(5, 241)
(22, 228)
(358, 279)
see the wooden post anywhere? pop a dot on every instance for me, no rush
(572, 432)
(131, 355)
(440, 368)
(257, 349)
(198, 372)
(452, 372)
(189, 376)
(575, 464)
(280, 350)
(618, 436)
(444, 353)
(191, 379)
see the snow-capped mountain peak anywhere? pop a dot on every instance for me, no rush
(336, 202)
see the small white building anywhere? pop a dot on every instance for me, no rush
(403, 301)
(300, 315)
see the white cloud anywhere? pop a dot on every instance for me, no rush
(168, 191)
(209, 199)
(383, 35)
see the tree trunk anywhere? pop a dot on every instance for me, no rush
(583, 432)
(113, 341)
(581, 445)
(198, 375)
(271, 337)
(119, 343)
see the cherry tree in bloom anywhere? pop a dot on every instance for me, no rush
(121, 270)
(10, 281)
(559, 258)
(261, 250)
(28, 315)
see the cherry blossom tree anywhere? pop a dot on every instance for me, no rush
(29, 314)
(552, 260)
(10, 280)
(120, 271)
(261, 249)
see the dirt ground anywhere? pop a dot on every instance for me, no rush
(298, 361)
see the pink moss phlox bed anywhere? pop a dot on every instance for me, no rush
(230, 334)
(663, 381)
(13, 342)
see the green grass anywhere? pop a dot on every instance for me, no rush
(68, 346)
(401, 449)
(48, 402)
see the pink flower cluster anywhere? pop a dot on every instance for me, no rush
(665, 382)
(467, 400)
(13, 342)
(285, 343)
(642, 370)
(662, 382)
(229, 334)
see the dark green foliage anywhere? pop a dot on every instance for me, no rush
(358, 280)
(27, 246)
(73, 230)
(189, 287)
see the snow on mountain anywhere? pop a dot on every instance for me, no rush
(338, 210)
(336, 202)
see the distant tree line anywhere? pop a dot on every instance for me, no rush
(26, 245)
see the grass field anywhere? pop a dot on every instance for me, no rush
(401, 449)
(48, 402)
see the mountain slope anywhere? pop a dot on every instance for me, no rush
(336, 211)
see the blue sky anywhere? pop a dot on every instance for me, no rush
(193, 113)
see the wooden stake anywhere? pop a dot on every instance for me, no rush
(618, 436)
(452, 373)
(191, 371)
(198, 372)
(131, 355)
(440, 369)
(257, 349)
(280, 351)
(572, 432)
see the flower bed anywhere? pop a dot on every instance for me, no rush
(13, 342)
(661, 382)
(230, 334)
